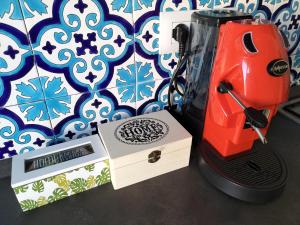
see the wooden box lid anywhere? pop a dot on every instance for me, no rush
(131, 140)
(56, 163)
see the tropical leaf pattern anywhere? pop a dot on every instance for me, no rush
(42, 201)
(28, 204)
(58, 194)
(48, 179)
(21, 189)
(106, 162)
(104, 177)
(38, 186)
(90, 182)
(78, 185)
(51, 189)
(61, 181)
(90, 168)
(60, 178)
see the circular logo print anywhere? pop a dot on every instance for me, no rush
(141, 131)
(278, 67)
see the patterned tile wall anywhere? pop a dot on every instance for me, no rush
(68, 65)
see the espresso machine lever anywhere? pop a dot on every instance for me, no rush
(254, 117)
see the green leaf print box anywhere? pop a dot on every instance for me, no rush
(47, 175)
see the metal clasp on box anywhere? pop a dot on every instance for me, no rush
(154, 156)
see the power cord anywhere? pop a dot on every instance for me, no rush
(180, 33)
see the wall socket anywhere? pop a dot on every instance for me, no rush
(168, 21)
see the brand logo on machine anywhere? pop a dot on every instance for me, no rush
(141, 131)
(278, 67)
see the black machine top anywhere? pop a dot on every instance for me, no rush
(219, 17)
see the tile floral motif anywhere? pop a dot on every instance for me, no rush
(24, 128)
(16, 58)
(80, 42)
(287, 18)
(152, 96)
(295, 70)
(259, 9)
(121, 8)
(77, 116)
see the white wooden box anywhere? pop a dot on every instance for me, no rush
(50, 174)
(145, 146)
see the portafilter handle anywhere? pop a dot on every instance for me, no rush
(254, 117)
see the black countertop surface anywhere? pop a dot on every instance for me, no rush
(180, 197)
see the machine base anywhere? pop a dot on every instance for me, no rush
(257, 176)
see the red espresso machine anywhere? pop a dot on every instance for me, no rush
(237, 75)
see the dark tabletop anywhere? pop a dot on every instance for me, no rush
(180, 197)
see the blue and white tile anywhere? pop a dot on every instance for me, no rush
(150, 65)
(156, 69)
(279, 4)
(121, 8)
(141, 8)
(78, 115)
(81, 42)
(11, 14)
(24, 128)
(205, 4)
(147, 35)
(16, 58)
(287, 18)
(152, 96)
(35, 11)
(124, 74)
(295, 70)
(54, 85)
(259, 9)
(147, 53)
(146, 20)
